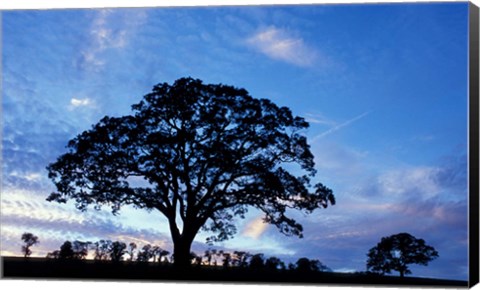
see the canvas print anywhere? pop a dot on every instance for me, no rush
(310, 144)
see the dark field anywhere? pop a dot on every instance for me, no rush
(20, 268)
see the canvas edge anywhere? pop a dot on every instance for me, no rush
(473, 145)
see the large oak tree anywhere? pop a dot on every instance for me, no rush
(200, 154)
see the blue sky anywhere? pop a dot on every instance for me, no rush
(384, 88)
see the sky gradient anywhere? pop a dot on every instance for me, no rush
(384, 88)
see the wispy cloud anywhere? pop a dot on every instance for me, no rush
(319, 119)
(107, 33)
(280, 45)
(104, 36)
(339, 126)
(420, 181)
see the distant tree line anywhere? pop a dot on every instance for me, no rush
(107, 250)
(392, 253)
(242, 259)
(116, 251)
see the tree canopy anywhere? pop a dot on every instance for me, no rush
(196, 152)
(398, 251)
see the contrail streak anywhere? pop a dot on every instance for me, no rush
(339, 126)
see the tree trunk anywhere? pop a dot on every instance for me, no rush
(182, 243)
(181, 252)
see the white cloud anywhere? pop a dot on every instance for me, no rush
(255, 228)
(78, 103)
(280, 45)
(86, 102)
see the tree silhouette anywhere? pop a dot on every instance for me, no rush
(195, 259)
(131, 250)
(66, 251)
(274, 263)
(257, 261)
(307, 265)
(53, 255)
(208, 257)
(117, 250)
(155, 251)
(201, 153)
(80, 249)
(146, 253)
(240, 259)
(398, 251)
(71, 251)
(227, 259)
(102, 250)
(29, 239)
(214, 254)
(163, 256)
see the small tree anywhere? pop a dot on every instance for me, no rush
(307, 265)
(117, 250)
(398, 251)
(214, 254)
(155, 252)
(102, 250)
(66, 251)
(131, 250)
(208, 257)
(80, 250)
(274, 263)
(227, 260)
(29, 239)
(195, 259)
(162, 254)
(257, 261)
(146, 254)
(240, 259)
(53, 255)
